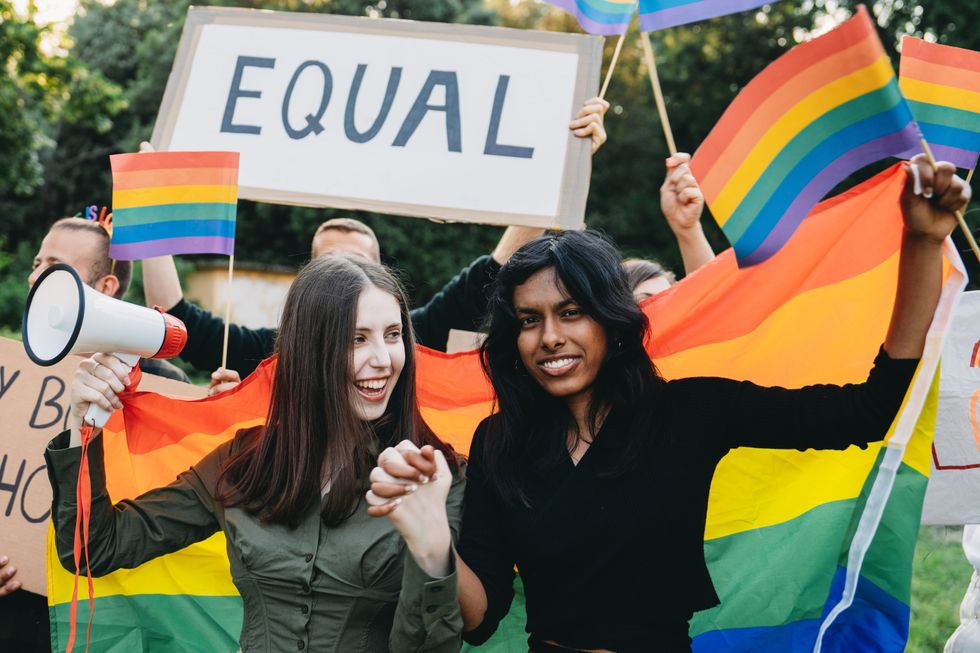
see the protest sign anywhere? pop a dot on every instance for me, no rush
(34, 402)
(436, 120)
(953, 494)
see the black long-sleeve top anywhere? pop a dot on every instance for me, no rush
(619, 563)
(461, 304)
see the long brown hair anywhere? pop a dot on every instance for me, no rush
(312, 432)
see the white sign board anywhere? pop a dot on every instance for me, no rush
(953, 494)
(433, 120)
(34, 404)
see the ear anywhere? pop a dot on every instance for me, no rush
(108, 285)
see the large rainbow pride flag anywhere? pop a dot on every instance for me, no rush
(661, 14)
(173, 203)
(798, 543)
(942, 86)
(820, 112)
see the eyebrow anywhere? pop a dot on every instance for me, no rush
(560, 305)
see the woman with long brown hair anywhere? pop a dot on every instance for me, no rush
(315, 572)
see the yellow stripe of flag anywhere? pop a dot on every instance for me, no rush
(128, 199)
(948, 96)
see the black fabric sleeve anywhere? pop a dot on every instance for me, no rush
(484, 544)
(743, 414)
(205, 333)
(127, 534)
(461, 304)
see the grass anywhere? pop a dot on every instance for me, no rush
(940, 576)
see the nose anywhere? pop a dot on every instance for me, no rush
(32, 278)
(552, 337)
(380, 356)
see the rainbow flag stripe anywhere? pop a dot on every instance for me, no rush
(942, 86)
(602, 17)
(173, 203)
(828, 293)
(661, 14)
(817, 114)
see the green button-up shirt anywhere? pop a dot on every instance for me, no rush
(347, 589)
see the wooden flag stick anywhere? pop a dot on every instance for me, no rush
(969, 176)
(658, 94)
(959, 214)
(224, 345)
(612, 66)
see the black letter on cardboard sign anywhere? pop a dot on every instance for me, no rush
(23, 500)
(350, 129)
(236, 92)
(492, 147)
(313, 125)
(446, 79)
(10, 487)
(5, 385)
(52, 402)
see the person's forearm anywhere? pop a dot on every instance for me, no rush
(513, 239)
(472, 596)
(161, 285)
(694, 246)
(920, 281)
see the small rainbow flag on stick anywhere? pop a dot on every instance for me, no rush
(173, 203)
(602, 17)
(820, 112)
(942, 86)
(661, 14)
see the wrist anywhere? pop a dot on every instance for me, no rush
(919, 238)
(688, 234)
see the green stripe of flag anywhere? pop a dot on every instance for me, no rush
(170, 212)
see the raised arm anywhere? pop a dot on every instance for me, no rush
(682, 203)
(928, 210)
(161, 285)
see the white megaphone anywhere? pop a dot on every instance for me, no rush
(64, 316)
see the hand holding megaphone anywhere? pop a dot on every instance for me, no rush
(64, 316)
(96, 386)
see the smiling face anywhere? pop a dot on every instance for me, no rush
(379, 352)
(562, 348)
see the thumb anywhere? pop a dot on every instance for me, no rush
(442, 467)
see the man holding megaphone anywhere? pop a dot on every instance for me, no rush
(84, 245)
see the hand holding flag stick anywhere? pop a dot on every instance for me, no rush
(959, 214)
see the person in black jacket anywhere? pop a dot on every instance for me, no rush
(461, 304)
(593, 477)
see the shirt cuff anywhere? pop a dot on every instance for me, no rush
(436, 598)
(63, 462)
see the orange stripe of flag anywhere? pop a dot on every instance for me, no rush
(172, 160)
(839, 46)
(175, 177)
(933, 73)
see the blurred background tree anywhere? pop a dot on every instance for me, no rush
(69, 101)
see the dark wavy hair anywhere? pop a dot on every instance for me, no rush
(530, 432)
(312, 429)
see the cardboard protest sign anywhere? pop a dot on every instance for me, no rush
(34, 405)
(953, 494)
(433, 120)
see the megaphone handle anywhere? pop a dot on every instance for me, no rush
(96, 415)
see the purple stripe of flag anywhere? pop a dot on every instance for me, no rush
(957, 156)
(692, 12)
(169, 246)
(823, 183)
(589, 25)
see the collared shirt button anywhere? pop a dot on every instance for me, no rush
(305, 609)
(431, 609)
(301, 645)
(306, 588)
(309, 557)
(435, 590)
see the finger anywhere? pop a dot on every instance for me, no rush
(443, 473)
(677, 159)
(92, 395)
(421, 462)
(944, 174)
(381, 511)
(145, 146)
(925, 174)
(10, 587)
(103, 373)
(588, 130)
(588, 119)
(393, 490)
(956, 197)
(598, 138)
(119, 368)
(3, 561)
(406, 445)
(689, 195)
(379, 475)
(7, 573)
(395, 464)
(92, 389)
(678, 172)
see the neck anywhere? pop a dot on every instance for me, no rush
(579, 406)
